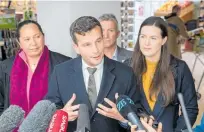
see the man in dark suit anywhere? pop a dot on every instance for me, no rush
(92, 79)
(111, 32)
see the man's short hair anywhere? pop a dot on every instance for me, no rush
(83, 25)
(109, 17)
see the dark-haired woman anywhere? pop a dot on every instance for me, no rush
(24, 78)
(161, 77)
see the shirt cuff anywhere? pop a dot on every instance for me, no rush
(124, 124)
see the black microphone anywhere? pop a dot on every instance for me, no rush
(124, 106)
(83, 121)
(11, 118)
(185, 114)
(39, 117)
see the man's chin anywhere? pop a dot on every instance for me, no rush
(107, 45)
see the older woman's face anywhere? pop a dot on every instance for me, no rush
(31, 40)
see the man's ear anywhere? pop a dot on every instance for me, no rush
(76, 48)
(118, 33)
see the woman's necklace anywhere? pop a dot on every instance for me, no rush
(33, 67)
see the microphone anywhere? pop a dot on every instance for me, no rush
(11, 118)
(39, 117)
(124, 106)
(83, 121)
(185, 114)
(59, 122)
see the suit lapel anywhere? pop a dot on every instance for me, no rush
(106, 82)
(80, 87)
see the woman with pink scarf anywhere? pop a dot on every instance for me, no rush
(24, 77)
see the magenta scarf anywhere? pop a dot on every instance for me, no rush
(38, 84)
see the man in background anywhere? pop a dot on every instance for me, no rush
(111, 32)
(176, 31)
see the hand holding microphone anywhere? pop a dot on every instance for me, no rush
(72, 110)
(133, 112)
(147, 125)
(124, 106)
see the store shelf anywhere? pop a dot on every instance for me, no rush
(129, 8)
(128, 23)
(186, 13)
(127, 16)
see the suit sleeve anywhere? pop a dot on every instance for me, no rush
(1, 90)
(190, 99)
(53, 90)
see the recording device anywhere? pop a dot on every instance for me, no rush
(124, 101)
(124, 106)
(185, 114)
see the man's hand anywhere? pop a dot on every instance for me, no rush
(147, 125)
(72, 110)
(110, 112)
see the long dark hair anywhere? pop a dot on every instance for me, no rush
(163, 80)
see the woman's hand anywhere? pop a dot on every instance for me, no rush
(147, 125)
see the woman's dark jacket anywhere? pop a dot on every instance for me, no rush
(169, 115)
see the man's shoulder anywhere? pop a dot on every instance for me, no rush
(120, 67)
(59, 56)
(66, 65)
(124, 54)
(125, 51)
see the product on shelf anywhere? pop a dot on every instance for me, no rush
(167, 7)
(187, 9)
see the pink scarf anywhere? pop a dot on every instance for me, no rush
(38, 85)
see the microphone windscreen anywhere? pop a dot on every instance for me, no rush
(39, 117)
(11, 118)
